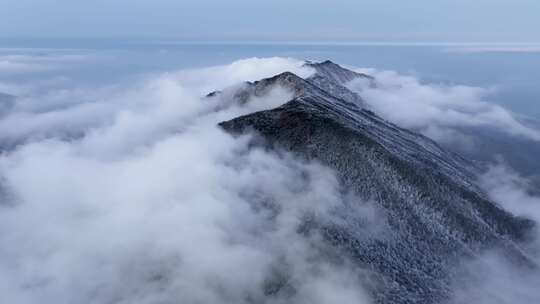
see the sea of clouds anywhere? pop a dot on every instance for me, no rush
(130, 193)
(134, 195)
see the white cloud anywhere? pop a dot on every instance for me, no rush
(75, 111)
(251, 69)
(10, 66)
(442, 112)
(153, 203)
(512, 191)
(492, 278)
(133, 195)
(436, 110)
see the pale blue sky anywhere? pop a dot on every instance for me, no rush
(275, 20)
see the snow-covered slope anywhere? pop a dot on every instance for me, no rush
(329, 79)
(434, 213)
(335, 73)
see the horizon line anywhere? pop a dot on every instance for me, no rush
(173, 41)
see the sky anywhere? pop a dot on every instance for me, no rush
(278, 20)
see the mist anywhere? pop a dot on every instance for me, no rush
(447, 114)
(492, 278)
(130, 193)
(134, 195)
(439, 111)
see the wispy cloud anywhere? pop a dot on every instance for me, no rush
(492, 278)
(437, 110)
(34, 62)
(152, 202)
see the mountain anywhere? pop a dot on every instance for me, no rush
(434, 213)
(334, 73)
(490, 144)
(329, 79)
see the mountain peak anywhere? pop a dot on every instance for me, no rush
(326, 62)
(434, 211)
(335, 73)
(285, 77)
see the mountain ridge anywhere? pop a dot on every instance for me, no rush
(436, 213)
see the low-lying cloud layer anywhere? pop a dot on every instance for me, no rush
(135, 196)
(450, 114)
(438, 111)
(132, 194)
(512, 191)
(447, 114)
(73, 112)
(16, 64)
(491, 278)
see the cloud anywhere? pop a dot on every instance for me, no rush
(445, 113)
(75, 111)
(434, 109)
(152, 203)
(131, 194)
(11, 66)
(492, 278)
(514, 192)
(35, 61)
(216, 78)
